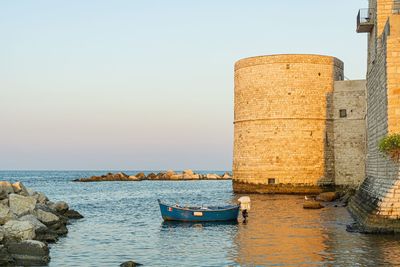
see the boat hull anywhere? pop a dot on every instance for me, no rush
(173, 213)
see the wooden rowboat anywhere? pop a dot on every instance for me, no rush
(198, 214)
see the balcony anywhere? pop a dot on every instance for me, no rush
(365, 20)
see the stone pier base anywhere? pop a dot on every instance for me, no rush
(306, 189)
(372, 212)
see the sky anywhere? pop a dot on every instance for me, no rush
(146, 85)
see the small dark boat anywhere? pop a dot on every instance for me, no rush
(199, 214)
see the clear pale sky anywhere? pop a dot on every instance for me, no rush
(146, 84)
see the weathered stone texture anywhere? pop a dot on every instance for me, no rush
(376, 204)
(282, 130)
(349, 132)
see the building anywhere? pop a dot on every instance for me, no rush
(298, 128)
(376, 204)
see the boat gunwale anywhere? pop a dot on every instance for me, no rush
(187, 209)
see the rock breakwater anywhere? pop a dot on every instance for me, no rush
(170, 175)
(28, 222)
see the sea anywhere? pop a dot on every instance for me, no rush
(123, 222)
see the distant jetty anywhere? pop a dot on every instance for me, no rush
(186, 175)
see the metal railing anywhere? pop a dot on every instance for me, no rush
(365, 19)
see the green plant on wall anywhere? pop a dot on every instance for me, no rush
(390, 145)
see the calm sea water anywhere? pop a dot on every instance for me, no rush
(122, 222)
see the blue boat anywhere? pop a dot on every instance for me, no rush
(199, 214)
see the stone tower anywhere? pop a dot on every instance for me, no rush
(283, 126)
(376, 204)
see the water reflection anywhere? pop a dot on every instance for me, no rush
(167, 225)
(280, 232)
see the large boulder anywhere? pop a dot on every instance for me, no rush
(46, 217)
(40, 197)
(6, 214)
(130, 264)
(42, 232)
(133, 178)
(5, 257)
(120, 175)
(39, 227)
(20, 189)
(212, 176)
(159, 176)
(328, 196)
(226, 175)
(140, 176)
(61, 207)
(169, 174)
(176, 177)
(187, 173)
(19, 230)
(73, 214)
(5, 189)
(312, 204)
(151, 176)
(29, 252)
(2, 234)
(21, 205)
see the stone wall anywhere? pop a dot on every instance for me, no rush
(283, 140)
(376, 205)
(349, 111)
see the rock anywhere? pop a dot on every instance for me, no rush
(212, 176)
(5, 202)
(20, 189)
(151, 176)
(120, 175)
(29, 252)
(6, 214)
(42, 232)
(5, 257)
(59, 228)
(176, 177)
(21, 205)
(61, 207)
(169, 174)
(46, 217)
(5, 189)
(195, 177)
(39, 227)
(327, 196)
(226, 175)
(2, 234)
(312, 205)
(49, 208)
(30, 191)
(188, 173)
(108, 177)
(130, 264)
(140, 176)
(40, 197)
(73, 214)
(159, 176)
(133, 178)
(19, 230)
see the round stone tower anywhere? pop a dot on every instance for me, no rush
(283, 140)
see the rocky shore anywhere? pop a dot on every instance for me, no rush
(28, 222)
(186, 175)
